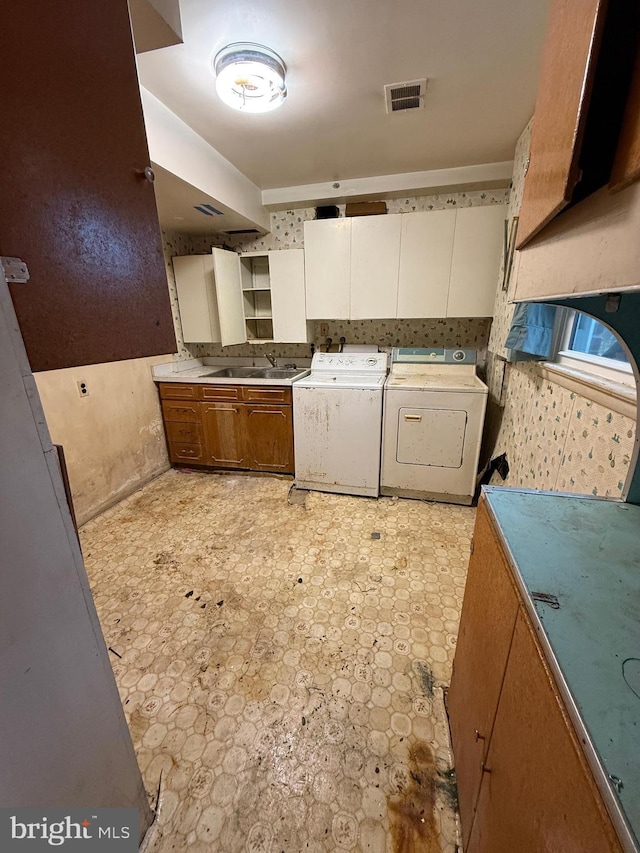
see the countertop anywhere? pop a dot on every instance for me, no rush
(586, 553)
(192, 370)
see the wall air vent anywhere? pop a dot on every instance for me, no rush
(242, 231)
(208, 209)
(400, 97)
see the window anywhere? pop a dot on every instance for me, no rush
(587, 345)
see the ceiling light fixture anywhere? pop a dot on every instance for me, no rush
(250, 78)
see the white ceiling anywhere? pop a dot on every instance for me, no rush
(481, 59)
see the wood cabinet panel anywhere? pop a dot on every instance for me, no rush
(196, 289)
(257, 393)
(288, 301)
(570, 55)
(489, 612)
(181, 411)
(77, 207)
(179, 452)
(426, 248)
(475, 262)
(223, 425)
(176, 391)
(538, 793)
(184, 432)
(375, 261)
(327, 249)
(270, 438)
(220, 392)
(626, 166)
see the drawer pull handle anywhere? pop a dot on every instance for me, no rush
(413, 417)
(484, 767)
(479, 736)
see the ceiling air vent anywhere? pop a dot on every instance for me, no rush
(400, 97)
(207, 209)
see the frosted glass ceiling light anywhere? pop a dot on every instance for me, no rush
(250, 77)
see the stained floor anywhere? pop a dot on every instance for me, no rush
(281, 666)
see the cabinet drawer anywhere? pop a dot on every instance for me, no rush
(184, 433)
(265, 394)
(179, 451)
(221, 392)
(181, 411)
(176, 391)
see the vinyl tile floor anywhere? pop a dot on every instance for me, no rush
(282, 664)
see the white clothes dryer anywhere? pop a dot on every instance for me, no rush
(434, 408)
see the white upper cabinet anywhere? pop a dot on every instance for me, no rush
(230, 298)
(228, 288)
(375, 260)
(327, 248)
(195, 284)
(426, 249)
(288, 296)
(475, 265)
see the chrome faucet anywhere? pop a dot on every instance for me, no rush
(273, 361)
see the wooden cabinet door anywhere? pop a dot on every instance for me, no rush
(327, 252)
(375, 263)
(288, 304)
(475, 264)
(224, 434)
(269, 438)
(75, 203)
(226, 268)
(538, 793)
(566, 79)
(426, 247)
(488, 618)
(196, 288)
(626, 166)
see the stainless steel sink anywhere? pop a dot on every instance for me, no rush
(279, 372)
(233, 372)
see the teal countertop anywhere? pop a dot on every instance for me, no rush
(586, 553)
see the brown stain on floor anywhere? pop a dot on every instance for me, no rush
(411, 812)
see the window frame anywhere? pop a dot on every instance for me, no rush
(600, 367)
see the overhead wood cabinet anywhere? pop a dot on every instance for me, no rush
(525, 779)
(423, 264)
(586, 126)
(229, 299)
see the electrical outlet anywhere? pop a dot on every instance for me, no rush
(324, 329)
(83, 388)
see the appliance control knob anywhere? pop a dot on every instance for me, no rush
(459, 355)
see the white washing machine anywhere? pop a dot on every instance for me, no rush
(337, 423)
(434, 407)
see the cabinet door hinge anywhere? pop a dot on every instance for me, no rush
(15, 270)
(471, 547)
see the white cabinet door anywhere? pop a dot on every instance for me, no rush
(196, 289)
(226, 266)
(426, 248)
(327, 248)
(286, 269)
(475, 266)
(375, 261)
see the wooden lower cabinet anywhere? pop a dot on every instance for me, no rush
(523, 780)
(537, 792)
(488, 618)
(243, 427)
(269, 438)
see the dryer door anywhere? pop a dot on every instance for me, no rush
(431, 437)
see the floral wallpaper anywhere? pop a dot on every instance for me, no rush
(554, 438)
